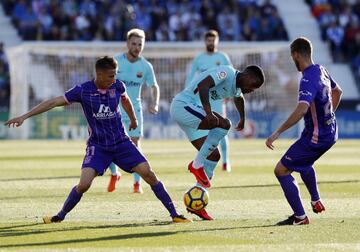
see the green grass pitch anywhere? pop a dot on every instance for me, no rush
(36, 177)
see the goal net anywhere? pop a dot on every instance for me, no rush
(43, 70)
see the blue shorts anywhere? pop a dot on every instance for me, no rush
(138, 132)
(302, 155)
(188, 116)
(126, 156)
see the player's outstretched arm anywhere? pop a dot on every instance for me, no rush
(154, 106)
(240, 106)
(295, 116)
(38, 109)
(129, 109)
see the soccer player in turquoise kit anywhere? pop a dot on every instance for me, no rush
(204, 61)
(319, 96)
(192, 110)
(108, 141)
(135, 71)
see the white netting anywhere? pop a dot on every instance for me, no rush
(43, 70)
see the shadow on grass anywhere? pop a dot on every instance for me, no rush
(18, 226)
(116, 237)
(10, 231)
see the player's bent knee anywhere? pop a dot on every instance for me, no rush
(146, 173)
(227, 124)
(150, 178)
(83, 187)
(281, 170)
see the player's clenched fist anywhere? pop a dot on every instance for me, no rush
(213, 120)
(17, 121)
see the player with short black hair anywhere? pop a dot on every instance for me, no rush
(212, 57)
(192, 110)
(319, 97)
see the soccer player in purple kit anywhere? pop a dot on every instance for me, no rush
(319, 97)
(107, 142)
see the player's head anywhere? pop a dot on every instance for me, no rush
(211, 40)
(105, 68)
(301, 50)
(135, 42)
(250, 79)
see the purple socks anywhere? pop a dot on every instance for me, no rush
(309, 178)
(70, 203)
(163, 196)
(292, 193)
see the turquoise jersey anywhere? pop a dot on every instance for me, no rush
(205, 61)
(225, 85)
(134, 75)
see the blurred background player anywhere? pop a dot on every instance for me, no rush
(134, 71)
(204, 61)
(107, 142)
(216, 83)
(319, 97)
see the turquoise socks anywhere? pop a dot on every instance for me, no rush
(210, 144)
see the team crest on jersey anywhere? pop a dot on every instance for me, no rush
(221, 75)
(112, 93)
(139, 74)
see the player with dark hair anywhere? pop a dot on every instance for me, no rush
(135, 71)
(107, 142)
(204, 61)
(192, 110)
(319, 97)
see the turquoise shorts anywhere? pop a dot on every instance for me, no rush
(138, 132)
(188, 116)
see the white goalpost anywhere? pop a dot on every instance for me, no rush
(41, 70)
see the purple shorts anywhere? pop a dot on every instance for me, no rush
(126, 155)
(302, 155)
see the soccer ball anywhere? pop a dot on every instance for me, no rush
(196, 198)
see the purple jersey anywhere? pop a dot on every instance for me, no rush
(315, 90)
(100, 107)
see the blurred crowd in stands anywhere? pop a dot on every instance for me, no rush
(339, 21)
(4, 80)
(162, 20)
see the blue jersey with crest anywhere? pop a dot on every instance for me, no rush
(205, 61)
(315, 90)
(134, 75)
(225, 85)
(100, 108)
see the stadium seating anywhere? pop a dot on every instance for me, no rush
(162, 20)
(339, 22)
(85, 20)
